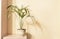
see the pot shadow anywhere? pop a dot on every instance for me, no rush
(29, 36)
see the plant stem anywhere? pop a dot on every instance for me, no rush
(21, 23)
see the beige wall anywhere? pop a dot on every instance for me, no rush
(47, 12)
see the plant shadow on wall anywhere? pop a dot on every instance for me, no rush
(29, 36)
(23, 12)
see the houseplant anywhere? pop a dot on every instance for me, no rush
(22, 12)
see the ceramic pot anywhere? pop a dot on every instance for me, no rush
(21, 32)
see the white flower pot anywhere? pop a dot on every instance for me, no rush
(21, 31)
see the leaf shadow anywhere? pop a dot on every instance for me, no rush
(29, 36)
